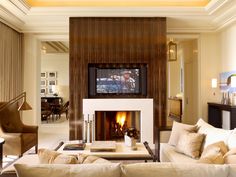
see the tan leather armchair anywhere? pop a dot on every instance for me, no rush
(18, 137)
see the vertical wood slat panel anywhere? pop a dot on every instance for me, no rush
(117, 40)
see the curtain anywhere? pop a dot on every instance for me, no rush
(11, 63)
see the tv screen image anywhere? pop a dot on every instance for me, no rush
(118, 80)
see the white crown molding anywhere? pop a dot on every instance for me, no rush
(10, 19)
(215, 5)
(217, 15)
(21, 5)
(116, 11)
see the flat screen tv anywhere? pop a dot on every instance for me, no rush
(117, 80)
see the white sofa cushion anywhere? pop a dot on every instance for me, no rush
(232, 170)
(230, 156)
(232, 140)
(174, 170)
(65, 170)
(213, 134)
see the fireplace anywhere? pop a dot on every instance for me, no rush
(141, 106)
(111, 125)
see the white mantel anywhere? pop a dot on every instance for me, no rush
(145, 106)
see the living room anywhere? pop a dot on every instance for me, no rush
(130, 38)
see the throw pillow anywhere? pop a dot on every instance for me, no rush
(67, 170)
(179, 129)
(232, 140)
(190, 144)
(47, 156)
(213, 134)
(85, 159)
(214, 153)
(230, 157)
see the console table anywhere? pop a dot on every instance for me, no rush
(215, 114)
(53, 100)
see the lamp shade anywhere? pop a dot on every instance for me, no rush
(233, 81)
(24, 106)
(214, 83)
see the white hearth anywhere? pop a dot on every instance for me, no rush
(145, 106)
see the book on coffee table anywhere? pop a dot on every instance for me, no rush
(77, 146)
(103, 146)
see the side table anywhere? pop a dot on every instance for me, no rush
(2, 141)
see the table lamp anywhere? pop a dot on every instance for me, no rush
(214, 84)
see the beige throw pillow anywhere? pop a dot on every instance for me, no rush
(85, 159)
(213, 153)
(179, 129)
(47, 156)
(230, 156)
(190, 144)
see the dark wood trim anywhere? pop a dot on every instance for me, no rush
(150, 151)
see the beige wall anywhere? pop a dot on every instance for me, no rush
(217, 55)
(209, 67)
(31, 56)
(228, 49)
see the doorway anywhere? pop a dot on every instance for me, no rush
(183, 80)
(54, 87)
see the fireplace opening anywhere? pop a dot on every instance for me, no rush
(111, 125)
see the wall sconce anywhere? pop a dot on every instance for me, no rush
(172, 51)
(214, 84)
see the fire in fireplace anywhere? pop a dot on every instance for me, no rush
(111, 125)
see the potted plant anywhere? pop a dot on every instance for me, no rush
(131, 136)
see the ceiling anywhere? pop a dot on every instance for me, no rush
(104, 3)
(53, 47)
(52, 16)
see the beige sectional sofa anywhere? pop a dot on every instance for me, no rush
(169, 153)
(128, 170)
(172, 163)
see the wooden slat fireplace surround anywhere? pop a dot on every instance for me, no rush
(114, 40)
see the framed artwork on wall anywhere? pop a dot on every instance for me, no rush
(225, 81)
(52, 75)
(50, 90)
(43, 83)
(52, 82)
(43, 90)
(44, 75)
